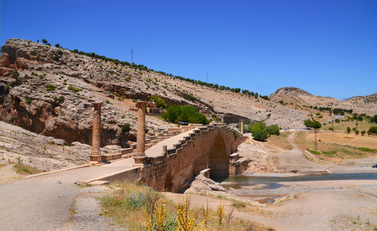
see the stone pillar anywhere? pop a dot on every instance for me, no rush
(140, 158)
(241, 126)
(95, 158)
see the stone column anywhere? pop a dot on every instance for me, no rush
(140, 158)
(241, 126)
(96, 135)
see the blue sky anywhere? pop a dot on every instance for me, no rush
(325, 47)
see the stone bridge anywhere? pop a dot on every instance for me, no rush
(172, 164)
(205, 147)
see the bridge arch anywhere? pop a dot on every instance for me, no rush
(218, 158)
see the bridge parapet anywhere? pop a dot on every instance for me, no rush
(190, 155)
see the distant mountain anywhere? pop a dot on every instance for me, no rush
(363, 99)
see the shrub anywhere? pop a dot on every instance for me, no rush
(373, 130)
(41, 77)
(6, 88)
(127, 79)
(260, 135)
(126, 128)
(273, 130)
(187, 113)
(60, 52)
(357, 132)
(28, 101)
(348, 130)
(190, 97)
(44, 41)
(50, 87)
(159, 102)
(363, 132)
(61, 99)
(57, 45)
(15, 74)
(72, 88)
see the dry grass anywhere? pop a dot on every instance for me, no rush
(280, 141)
(25, 170)
(137, 208)
(342, 126)
(346, 139)
(330, 151)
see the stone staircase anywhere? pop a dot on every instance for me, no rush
(150, 140)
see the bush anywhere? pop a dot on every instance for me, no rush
(72, 88)
(57, 45)
(60, 52)
(15, 74)
(357, 132)
(127, 79)
(28, 101)
(159, 102)
(44, 41)
(61, 99)
(260, 135)
(273, 130)
(187, 113)
(50, 87)
(373, 130)
(348, 130)
(6, 88)
(190, 97)
(126, 128)
(363, 132)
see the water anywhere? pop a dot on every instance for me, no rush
(236, 184)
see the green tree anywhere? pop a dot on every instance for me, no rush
(363, 132)
(159, 102)
(273, 130)
(374, 119)
(348, 130)
(44, 41)
(315, 125)
(260, 135)
(187, 113)
(357, 132)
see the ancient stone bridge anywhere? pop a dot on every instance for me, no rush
(171, 164)
(205, 147)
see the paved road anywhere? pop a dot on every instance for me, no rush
(42, 203)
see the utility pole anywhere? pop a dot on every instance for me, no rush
(132, 56)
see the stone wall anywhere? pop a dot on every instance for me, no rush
(208, 146)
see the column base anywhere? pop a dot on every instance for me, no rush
(140, 161)
(95, 160)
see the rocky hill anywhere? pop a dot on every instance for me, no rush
(50, 91)
(296, 98)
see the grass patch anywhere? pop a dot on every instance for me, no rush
(367, 150)
(25, 170)
(138, 207)
(313, 151)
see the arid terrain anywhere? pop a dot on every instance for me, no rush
(46, 96)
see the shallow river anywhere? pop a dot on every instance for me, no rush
(262, 189)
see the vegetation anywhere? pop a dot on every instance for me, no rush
(126, 128)
(187, 113)
(159, 102)
(24, 169)
(142, 68)
(6, 88)
(50, 87)
(28, 101)
(373, 130)
(61, 99)
(261, 131)
(315, 125)
(260, 135)
(141, 208)
(72, 88)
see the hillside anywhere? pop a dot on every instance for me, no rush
(301, 100)
(27, 101)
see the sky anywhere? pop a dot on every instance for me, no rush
(325, 47)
